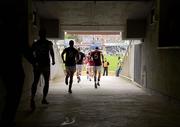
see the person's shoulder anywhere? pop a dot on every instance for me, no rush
(49, 42)
(65, 49)
(82, 53)
(75, 49)
(36, 42)
(92, 52)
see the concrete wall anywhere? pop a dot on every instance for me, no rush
(92, 15)
(52, 27)
(2, 95)
(155, 68)
(169, 23)
(28, 69)
(13, 45)
(160, 66)
(128, 63)
(16, 20)
(135, 28)
(57, 71)
(137, 63)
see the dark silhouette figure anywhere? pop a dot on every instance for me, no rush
(41, 50)
(14, 48)
(70, 63)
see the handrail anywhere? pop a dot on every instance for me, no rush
(58, 55)
(127, 51)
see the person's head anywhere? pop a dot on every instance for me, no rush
(105, 60)
(96, 48)
(42, 33)
(79, 49)
(71, 43)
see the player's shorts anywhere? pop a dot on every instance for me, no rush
(70, 69)
(97, 68)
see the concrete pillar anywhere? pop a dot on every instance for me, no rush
(61, 35)
(131, 73)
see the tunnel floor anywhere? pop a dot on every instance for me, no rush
(116, 103)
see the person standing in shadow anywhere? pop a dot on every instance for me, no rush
(42, 49)
(70, 63)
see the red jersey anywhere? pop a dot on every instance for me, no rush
(89, 61)
(96, 55)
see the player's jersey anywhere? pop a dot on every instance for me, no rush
(80, 58)
(41, 50)
(71, 55)
(96, 55)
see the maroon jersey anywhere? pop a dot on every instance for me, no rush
(96, 55)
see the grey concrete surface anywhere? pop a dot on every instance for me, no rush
(116, 103)
(90, 15)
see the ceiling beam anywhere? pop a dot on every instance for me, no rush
(91, 0)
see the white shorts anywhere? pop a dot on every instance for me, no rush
(79, 67)
(97, 68)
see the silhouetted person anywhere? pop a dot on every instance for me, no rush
(105, 66)
(79, 64)
(14, 46)
(98, 58)
(89, 66)
(42, 49)
(70, 63)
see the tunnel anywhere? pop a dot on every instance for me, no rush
(146, 93)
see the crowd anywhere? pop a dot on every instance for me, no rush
(110, 50)
(115, 50)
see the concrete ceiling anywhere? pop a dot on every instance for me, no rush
(82, 15)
